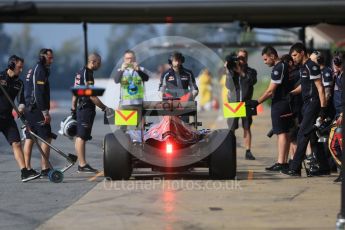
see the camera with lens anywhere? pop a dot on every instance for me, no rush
(232, 61)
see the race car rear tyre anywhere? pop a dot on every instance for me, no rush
(117, 161)
(222, 164)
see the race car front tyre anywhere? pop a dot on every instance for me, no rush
(117, 160)
(222, 164)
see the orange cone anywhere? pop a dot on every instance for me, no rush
(260, 109)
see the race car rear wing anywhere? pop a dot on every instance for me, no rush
(169, 108)
(161, 108)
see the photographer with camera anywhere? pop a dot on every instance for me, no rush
(131, 77)
(278, 90)
(244, 79)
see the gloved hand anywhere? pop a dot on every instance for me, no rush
(74, 114)
(254, 103)
(109, 112)
(251, 107)
(322, 113)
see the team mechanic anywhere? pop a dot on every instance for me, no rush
(9, 80)
(336, 135)
(328, 85)
(178, 82)
(338, 89)
(278, 90)
(327, 80)
(295, 101)
(314, 101)
(84, 110)
(131, 77)
(37, 101)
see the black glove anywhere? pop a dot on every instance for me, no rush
(322, 113)
(251, 107)
(254, 103)
(74, 114)
(109, 112)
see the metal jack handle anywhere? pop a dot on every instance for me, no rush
(34, 136)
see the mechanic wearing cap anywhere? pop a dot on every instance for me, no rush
(84, 110)
(131, 77)
(10, 82)
(244, 79)
(178, 82)
(281, 116)
(314, 103)
(37, 101)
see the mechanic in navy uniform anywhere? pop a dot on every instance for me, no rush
(327, 80)
(9, 80)
(278, 90)
(37, 103)
(338, 89)
(314, 106)
(84, 110)
(327, 77)
(338, 103)
(178, 82)
(244, 79)
(296, 102)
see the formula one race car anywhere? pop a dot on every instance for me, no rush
(171, 145)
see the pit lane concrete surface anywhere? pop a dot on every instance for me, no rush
(255, 200)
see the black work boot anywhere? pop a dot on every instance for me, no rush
(249, 155)
(277, 167)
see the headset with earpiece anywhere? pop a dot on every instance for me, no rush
(176, 55)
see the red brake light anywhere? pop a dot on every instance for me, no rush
(80, 92)
(169, 148)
